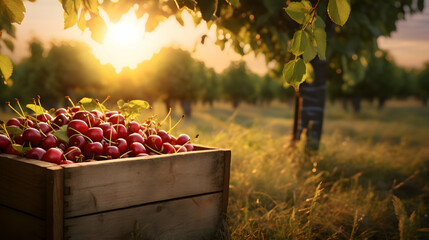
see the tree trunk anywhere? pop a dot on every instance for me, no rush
(345, 102)
(313, 104)
(167, 104)
(356, 100)
(381, 103)
(296, 132)
(186, 107)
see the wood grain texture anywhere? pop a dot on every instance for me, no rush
(23, 184)
(18, 225)
(189, 218)
(107, 185)
(226, 176)
(54, 202)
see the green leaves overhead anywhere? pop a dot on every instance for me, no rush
(339, 11)
(300, 42)
(6, 67)
(98, 28)
(319, 35)
(13, 10)
(294, 72)
(207, 8)
(132, 108)
(299, 11)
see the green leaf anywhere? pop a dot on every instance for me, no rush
(98, 28)
(120, 103)
(19, 148)
(61, 134)
(300, 42)
(339, 11)
(6, 66)
(299, 11)
(14, 130)
(208, 8)
(90, 104)
(9, 44)
(309, 53)
(233, 2)
(70, 19)
(138, 104)
(186, 3)
(319, 35)
(294, 72)
(36, 108)
(77, 4)
(13, 10)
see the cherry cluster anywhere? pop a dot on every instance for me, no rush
(76, 135)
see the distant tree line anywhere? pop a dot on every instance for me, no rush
(173, 75)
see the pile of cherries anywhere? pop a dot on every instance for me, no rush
(77, 135)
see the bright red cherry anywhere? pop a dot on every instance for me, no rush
(13, 122)
(11, 149)
(117, 119)
(189, 147)
(109, 114)
(180, 148)
(111, 152)
(167, 148)
(85, 116)
(4, 141)
(95, 134)
(60, 120)
(44, 127)
(78, 141)
(50, 141)
(73, 153)
(122, 145)
(133, 127)
(135, 137)
(164, 136)
(77, 126)
(36, 153)
(60, 111)
(32, 136)
(137, 148)
(44, 117)
(121, 130)
(53, 155)
(154, 142)
(91, 150)
(183, 139)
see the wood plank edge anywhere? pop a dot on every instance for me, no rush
(54, 202)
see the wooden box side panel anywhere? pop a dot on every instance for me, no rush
(188, 218)
(101, 186)
(18, 225)
(23, 184)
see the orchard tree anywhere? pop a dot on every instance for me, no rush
(290, 34)
(423, 84)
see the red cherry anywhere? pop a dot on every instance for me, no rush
(99, 116)
(4, 141)
(167, 148)
(93, 149)
(20, 140)
(53, 155)
(36, 153)
(117, 119)
(180, 148)
(77, 126)
(78, 141)
(73, 153)
(13, 122)
(137, 148)
(183, 139)
(44, 127)
(95, 134)
(108, 131)
(112, 152)
(133, 127)
(172, 140)
(154, 142)
(29, 123)
(32, 136)
(189, 147)
(142, 155)
(60, 120)
(135, 137)
(85, 116)
(44, 117)
(164, 136)
(109, 114)
(121, 130)
(50, 141)
(60, 111)
(122, 145)
(11, 150)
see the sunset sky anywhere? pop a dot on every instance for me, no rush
(409, 45)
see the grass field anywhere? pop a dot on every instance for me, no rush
(370, 179)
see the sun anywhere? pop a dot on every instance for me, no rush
(126, 44)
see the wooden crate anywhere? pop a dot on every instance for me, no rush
(178, 196)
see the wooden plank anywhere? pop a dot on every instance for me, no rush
(18, 225)
(107, 185)
(187, 218)
(226, 176)
(23, 184)
(54, 202)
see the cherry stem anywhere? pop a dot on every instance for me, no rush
(8, 103)
(153, 150)
(125, 153)
(101, 107)
(105, 100)
(171, 128)
(80, 134)
(165, 119)
(19, 105)
(89, 120)
(5, 130)
(68, 98)
(40, 104)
